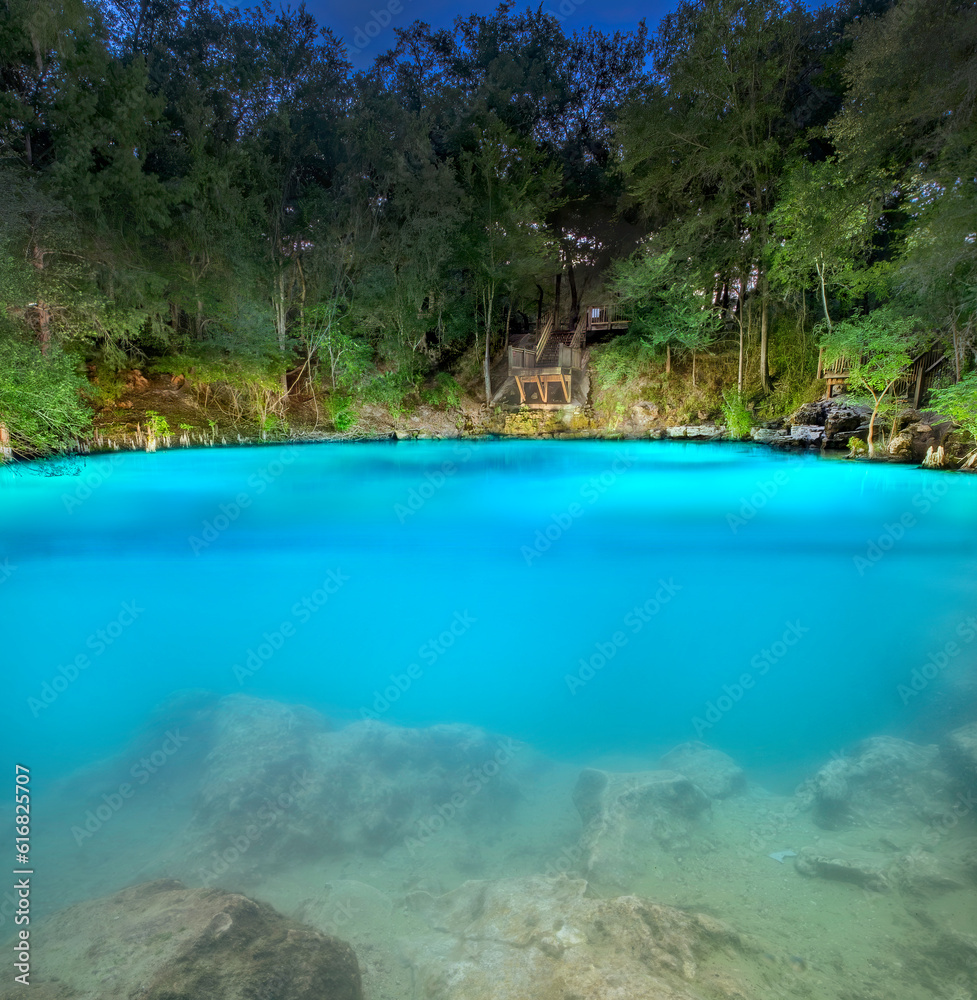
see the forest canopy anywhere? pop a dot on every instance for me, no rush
(216, 193)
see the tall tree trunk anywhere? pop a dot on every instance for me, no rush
(764, 333)
(556, 303)
(539, 308)
(739, 316)
(824, 295)
(489, 301)
(42, 312)
(574, 304)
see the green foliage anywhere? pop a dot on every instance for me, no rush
(739, 419)
(40, 397)
(959, 402)
(445, 394)
(878, 348)
(214, 192)
(394, 390)
(669, 310)
(622, 361)
(156, 424)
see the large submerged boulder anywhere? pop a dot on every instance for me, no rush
(630, 817)
(960, 753)
(516, 938)
(885, 783)
(716, 773)
(278, 785)
(162, 941)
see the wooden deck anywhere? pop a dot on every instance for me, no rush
(546, 366)
(913, 387)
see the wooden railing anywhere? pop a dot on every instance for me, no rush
(545, 335)
(569, 356)
(605, 317)
(522, 357)
(913, 386)
(525, 357)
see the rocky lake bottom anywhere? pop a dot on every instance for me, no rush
(461, 865)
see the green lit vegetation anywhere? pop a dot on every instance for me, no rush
(302, 245)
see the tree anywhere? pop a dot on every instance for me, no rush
(959, 403)
(510, 193)
(878, 347)
(668, 310)
(907, 133)
(824, 229)
(706, 144)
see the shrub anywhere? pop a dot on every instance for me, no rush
(392, 389)
(444, 394)
(40, 397)
(738, 418)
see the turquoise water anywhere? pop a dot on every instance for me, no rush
(596, 603)
(588, 598)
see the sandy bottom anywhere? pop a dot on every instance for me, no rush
(818, 938)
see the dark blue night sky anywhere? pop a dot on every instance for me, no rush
(368, 26)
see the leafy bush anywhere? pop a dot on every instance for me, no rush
(445, 393)
(621, 361)
(244, 388)
(40, 397)
(959, 402)
(156, 424)
(339, 409)
(739, 420)
(392, 389)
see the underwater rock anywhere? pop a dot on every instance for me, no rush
(922, 873)
(886, 782)
(515, 938)
(160, 941)
(278, 786)
(960, 752)
(629, 817)
(867, 869)
(716, 773)
(379, 785)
